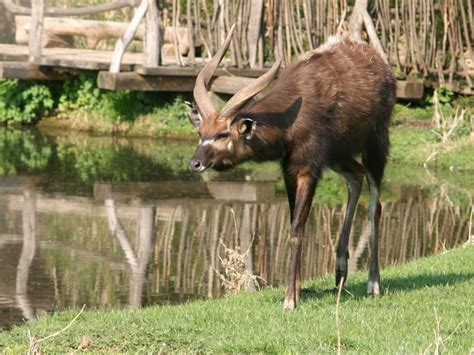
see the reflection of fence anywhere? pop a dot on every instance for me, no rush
(432, 39)
(174, 252)
(409, 229)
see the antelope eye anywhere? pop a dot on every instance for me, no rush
(222, 136)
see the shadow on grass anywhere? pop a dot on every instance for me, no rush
(315, 293)
(391, 284)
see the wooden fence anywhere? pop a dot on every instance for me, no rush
(421, 38)
(427, 38)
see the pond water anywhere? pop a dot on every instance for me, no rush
(122, 223)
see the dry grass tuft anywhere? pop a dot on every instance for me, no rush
(235, 276)
(435, 346)
(338, 320)
(34, 347)
(445, 127)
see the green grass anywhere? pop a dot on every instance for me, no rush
(413, 146)
(401, 321)
(406, 112)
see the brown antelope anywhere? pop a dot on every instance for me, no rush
(324, 111)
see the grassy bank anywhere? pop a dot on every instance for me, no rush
(419, 146)
(425, 304)
(78, 104)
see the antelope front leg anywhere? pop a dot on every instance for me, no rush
(375, 211)
(353, 172)
(304, 184)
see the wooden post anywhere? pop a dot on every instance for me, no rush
(361, 16)
(357, 19)
(152, 39)
(124, 41)
(36, 30)
(254, 31)
(176, 41)
(191, 54)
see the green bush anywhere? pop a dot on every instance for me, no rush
(23, 102)
(26, 102)
(79, 93)
(82, 94)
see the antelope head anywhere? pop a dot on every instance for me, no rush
(223, 134)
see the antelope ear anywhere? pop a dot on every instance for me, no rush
(246, 127)
(193, 115)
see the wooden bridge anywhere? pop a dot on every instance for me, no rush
(169, 56)
(133, 75)
(158, 67)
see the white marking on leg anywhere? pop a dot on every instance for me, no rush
(289, 305)
(373, 288)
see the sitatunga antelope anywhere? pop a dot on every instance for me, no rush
(325, 111)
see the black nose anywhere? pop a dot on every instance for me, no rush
(195, 165)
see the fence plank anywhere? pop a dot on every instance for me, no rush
(255, 31)
(122, 43)
(152, 45)
(36, 31)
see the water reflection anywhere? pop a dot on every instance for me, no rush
(132, 243)
(139, 261)
(27, 254)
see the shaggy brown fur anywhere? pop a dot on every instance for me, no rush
(324, 111)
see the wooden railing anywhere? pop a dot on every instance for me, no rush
(151, 47)
(151, 38)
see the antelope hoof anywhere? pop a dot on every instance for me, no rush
(341, 271)
(289, 305)
(373, 289)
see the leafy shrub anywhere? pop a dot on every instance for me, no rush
(79, 92)
(173, 114)
(24, 102)
(124, 106)
(445, 96)
(82, 94)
